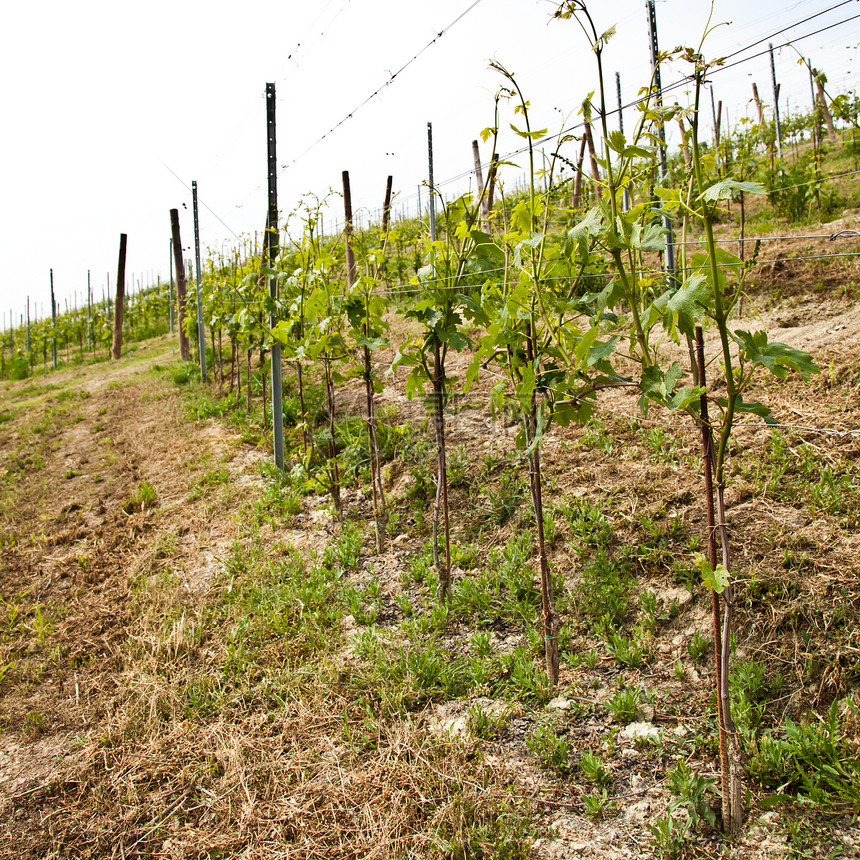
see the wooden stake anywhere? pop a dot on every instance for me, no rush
(592, 154)
(386, 207)
(761, 123)
(822, 102)
(119, 304)
(375, 472)
(708, 464)
(577, 183)
(718, 126)
(181, 286)
(491, 182)
(479, 182)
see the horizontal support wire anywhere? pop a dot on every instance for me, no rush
(684, 81)
(844, 234)
(745, 425)
(412, 287)
(670, 87)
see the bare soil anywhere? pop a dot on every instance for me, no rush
(111, 624)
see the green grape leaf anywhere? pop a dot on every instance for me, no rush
(716, 580)
(371, 342)
(616, 141)
(601, 351)
(577, 410)
(639, 152)
(683, 398)
(578, 236)
(456, 340)
(534, 135)
(652, 238)
(658, 385)
(778, 358)
(729, 189)
(754, 408)
(688, 303)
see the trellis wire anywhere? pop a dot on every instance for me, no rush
(745, 425)
(674, 85)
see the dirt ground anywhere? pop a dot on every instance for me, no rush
(107, 591)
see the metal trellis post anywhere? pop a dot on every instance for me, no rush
(201, 333)
(655, 65)
(271, 243)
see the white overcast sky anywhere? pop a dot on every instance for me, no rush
(103, 102)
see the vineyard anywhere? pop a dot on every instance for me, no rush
(527, 528)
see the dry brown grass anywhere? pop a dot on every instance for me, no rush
(136, 731)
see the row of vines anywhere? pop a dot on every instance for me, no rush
(555, 295)
(82, 333)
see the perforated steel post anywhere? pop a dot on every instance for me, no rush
(201, 332)
(53, 322)
(655, 66)
(626, 195)
(430, 170)
(271, 245)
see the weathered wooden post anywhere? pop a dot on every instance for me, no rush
(181, 293)
(776, 122)
(170, 302)
(119, 303)
(386, 207)
(479, 182)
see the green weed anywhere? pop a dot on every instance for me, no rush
(624, 704)
(793, 473)
(354, 448)
(184, 373)
(347, 551)
(663, 447)
(472, 831)
(459, 464)
(595, 437)
(808, 760)
(281, 498)
(502, 502)
(589, 525)
(594, 769)
(142, 498)
(481, 642)
(669, 835)
(699, 646)
(634, 651)
(597, 803)
(604, 594)
(552, 750)
(504, 590)
(34, 724)
(210, 480)
(588, 658)
(692, 792)
(521, 678)
(482, 724)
